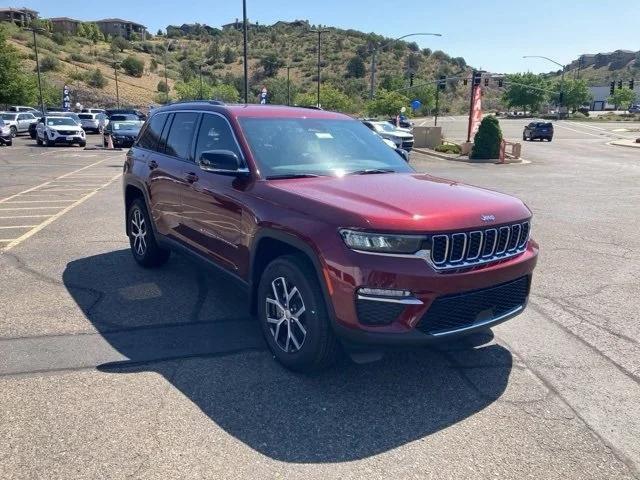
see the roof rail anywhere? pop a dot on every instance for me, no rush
(211, 102)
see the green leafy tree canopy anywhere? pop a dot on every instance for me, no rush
(525, 90)
(622, 98)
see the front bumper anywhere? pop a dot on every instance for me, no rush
(122, 141)
(437, 306)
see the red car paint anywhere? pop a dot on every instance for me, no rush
(226, 218)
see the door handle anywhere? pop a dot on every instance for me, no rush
(191, 177)
(152, 164)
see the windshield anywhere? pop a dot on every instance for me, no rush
(60, 121)
(294, 146)
(129, 125)
(86, 116)
(9, 116)
(384, 127)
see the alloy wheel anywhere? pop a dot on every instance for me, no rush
(285, 315)
(139, 232)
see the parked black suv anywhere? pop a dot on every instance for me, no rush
(541, 130)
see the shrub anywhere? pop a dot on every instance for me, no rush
(486, 143)
(79, 57)
(59, 38)
(133, 66)
(229, 56)
(162, 87)
(449, 148)
(96, 79)
(49, 64)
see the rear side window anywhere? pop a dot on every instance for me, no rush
(150, 138)
(86, 116)
(215, 134)
(180, 136)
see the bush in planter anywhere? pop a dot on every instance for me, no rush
(486, 143)
(449, 148)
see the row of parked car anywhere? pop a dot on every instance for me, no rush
(60, 127)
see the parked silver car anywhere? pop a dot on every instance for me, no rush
(18, 122)
(401, 137)
(93, 122)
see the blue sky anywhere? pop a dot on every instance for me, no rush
(492, 34)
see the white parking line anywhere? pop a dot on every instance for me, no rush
(30, 208)
(578, 131)
(24, 216)
(6, 240)
(36, 201)
(57, 215)
(17, 226)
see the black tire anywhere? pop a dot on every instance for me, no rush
(50, 143)
(8, 143)
(39, 142)
(14, 131)
(151, 255)
(82, 144)
(524, 137)
(319, 348)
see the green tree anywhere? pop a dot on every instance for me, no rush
(225, 92)
(213, 53)
(119, 44)
(96, 79)
(153, 65)
(356, 68)
(191, 90)
(486, 143)
(330, 99)
(622, 98)
(270, 64)
(277, 88)
(387, 103)
(17, 86)
(525, 90)
(133, 66)
(229, 55)
(82, 30)
(576, 93)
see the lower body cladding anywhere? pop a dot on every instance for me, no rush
(65, 139)
(403, 301)
(6, 139)
(122, 142)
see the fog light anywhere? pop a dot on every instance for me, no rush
(383, 292)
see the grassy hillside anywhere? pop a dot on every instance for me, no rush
(601, 68)
(219, 54)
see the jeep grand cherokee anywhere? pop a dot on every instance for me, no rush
(336, 238)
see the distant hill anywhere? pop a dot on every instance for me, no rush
(218, 53)
(599, 69)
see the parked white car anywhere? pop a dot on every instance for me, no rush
(60, 129)
(18, 122)
(401, 137)
(22, 108)
(93, 110)
(93, 122)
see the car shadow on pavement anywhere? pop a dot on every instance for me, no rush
(192, 325)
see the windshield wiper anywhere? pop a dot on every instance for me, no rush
(292, 175)
(368, 171)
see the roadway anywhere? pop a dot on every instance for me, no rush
(111, 371)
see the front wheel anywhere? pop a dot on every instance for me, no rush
(14, 131)
(144, 247)
(293, 315)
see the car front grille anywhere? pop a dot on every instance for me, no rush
(67, 132)
(407, 144)
(452, 313)
(467, 249)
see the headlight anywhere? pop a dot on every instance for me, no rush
(381, 242)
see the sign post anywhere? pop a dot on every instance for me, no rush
(264, 96)
(66, 98)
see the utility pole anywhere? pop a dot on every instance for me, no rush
(166, 80)
(435, 116)
(115, 71)
(246, 57)
(35, 47)
(319, 32)
(288, 86)
(201, 94)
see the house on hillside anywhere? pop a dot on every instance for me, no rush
(65, 25)
(116, 27)
(237, 25)
(20, 16)
(294, 23)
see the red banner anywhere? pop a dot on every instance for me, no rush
(475, 114)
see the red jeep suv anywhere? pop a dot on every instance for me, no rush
(338, 241)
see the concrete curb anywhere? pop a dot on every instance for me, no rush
(461, 158)
(624, 143)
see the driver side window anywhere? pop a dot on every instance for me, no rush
(215, 134)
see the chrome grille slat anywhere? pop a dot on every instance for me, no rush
(477, 247)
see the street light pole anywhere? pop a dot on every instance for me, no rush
(246, 59)
(372, 90)
(288, 86)
(115, 70)
(201, 92)
(319, 32)
(35, 47)
(561, 100)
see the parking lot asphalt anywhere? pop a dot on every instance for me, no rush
(111, 371)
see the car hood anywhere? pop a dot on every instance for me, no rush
(398, 202)
(125, 133)
(400, 134)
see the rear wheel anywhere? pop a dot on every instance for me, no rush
(14, 131)
(144, 247)
(50, 143)
(293, 315)
(38, 141)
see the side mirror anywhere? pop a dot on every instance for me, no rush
(220, 161)
(403, 153)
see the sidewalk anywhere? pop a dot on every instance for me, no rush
(625, 143)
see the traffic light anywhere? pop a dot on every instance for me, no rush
(619, 83)
(411, 75)
(486, 82)
(631, 84)
(465, 81)
(500, 82)
(612, 88)
(442, 83)
(477, 77)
